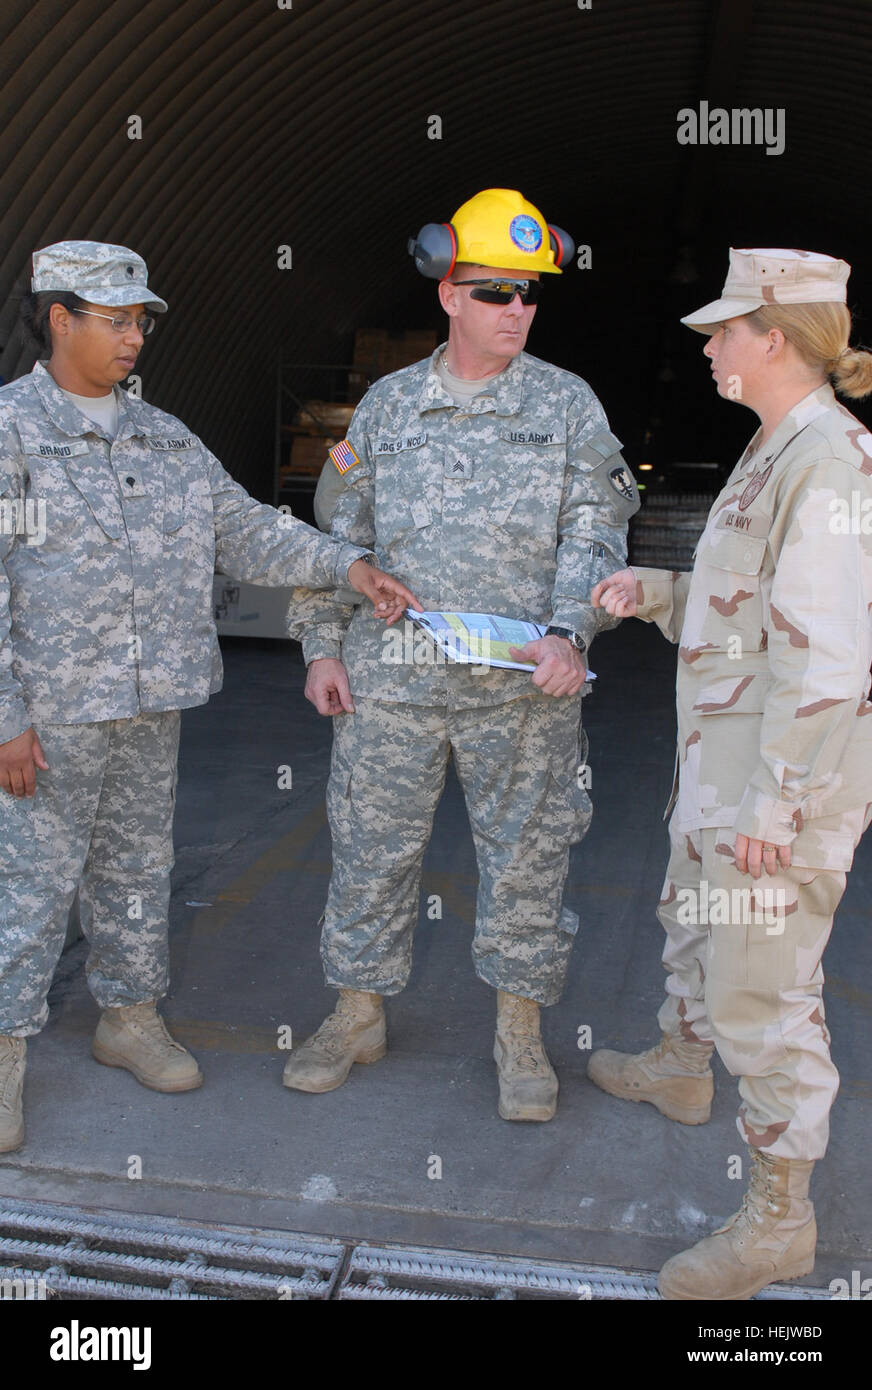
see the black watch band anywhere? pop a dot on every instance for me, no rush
(570, 634)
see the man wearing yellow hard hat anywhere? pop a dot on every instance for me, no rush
(488, 481)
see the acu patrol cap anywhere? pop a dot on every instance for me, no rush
(773, 276)
(96, 271)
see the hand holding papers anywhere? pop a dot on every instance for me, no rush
(480, 639)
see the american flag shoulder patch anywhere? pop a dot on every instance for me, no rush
(343, 456)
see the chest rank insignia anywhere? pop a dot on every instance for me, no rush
(343, 456)
(756, 485)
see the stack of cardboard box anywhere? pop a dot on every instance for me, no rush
(378, 351)
(317, 426)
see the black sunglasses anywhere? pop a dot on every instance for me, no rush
(503, 291)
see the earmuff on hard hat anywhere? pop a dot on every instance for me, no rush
(497, 227)
(434, 249)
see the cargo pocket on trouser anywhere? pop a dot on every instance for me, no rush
(338, 799)
(572, 805)
(583, 805)
(571, 812)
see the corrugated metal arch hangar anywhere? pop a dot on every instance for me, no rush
(309, 126)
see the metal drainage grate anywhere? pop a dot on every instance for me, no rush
(62, 1252)
(49, 1251)
(402, 1273)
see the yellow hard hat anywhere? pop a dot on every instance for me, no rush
(497, 227)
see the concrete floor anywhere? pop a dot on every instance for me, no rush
(604, 1183)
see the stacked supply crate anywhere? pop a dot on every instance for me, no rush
(378, 351)
(315, 428)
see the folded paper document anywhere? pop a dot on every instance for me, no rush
(480, 639)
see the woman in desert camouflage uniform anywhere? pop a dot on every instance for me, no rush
(774, 763)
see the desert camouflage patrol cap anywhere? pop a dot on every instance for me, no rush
(96, 271)
(773, 276)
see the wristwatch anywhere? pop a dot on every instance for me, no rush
(571, 636)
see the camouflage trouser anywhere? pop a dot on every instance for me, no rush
(100, 820)
(747, 976)
(518, 766)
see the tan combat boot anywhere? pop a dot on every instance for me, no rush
(354, 1032)
(675, 1076)
(528, 1082)
(135, 1037)
(12, 1054)
(773, 1236)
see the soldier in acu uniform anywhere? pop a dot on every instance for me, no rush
(490, 482)
(114, 518)
(774, 776)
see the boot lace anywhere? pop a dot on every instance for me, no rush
(758, 1199)
(522, 1036)
(155, 1029)
(666, 1048)
(332, 1036)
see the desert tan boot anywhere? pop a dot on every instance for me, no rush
(354, 1032)
(675, 1076)
(528, 1082)
(12, 1055)
(772, 1237)
(135, 1037)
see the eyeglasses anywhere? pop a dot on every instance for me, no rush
(503, 291)
(122, 323)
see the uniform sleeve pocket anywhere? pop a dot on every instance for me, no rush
(592, 453)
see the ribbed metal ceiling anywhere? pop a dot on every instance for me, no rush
(308, 127)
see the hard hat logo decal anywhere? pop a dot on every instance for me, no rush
(526, 232)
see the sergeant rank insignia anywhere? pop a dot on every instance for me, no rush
(343, 456)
